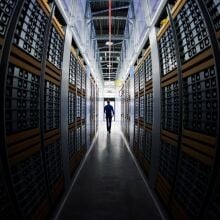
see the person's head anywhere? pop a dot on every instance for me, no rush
(108, 102)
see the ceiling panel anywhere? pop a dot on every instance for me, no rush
(100, 18)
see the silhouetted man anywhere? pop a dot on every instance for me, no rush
(109, 112)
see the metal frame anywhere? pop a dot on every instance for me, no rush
(64, 104)
(42, 82)
(179, 74)
(216, 53)
(113, 9)
(3, 77)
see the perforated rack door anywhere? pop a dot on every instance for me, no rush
(142, 144)
(148, 68)
(168, 161)
(141, 107)
(52, 106)
(7, 210)
(136, 134)
(78, 138)
(136, 83)
(148, 146)
(54, 163)
(170, 108)
(29, 182)
(192, 184)
(191, 31)
(83, 107)
(213, 7)
(83, 129)
(167, 52)
(83, 79)
(22, 100)
(149, 108)
(55, 48)
(127, 130)
(71, 107)
(72, 143)
(136, 108)
(72, 69)
(200, 101)
(6, 11)
(78, 106)
(213, 207)
(79, 76)
(31, 29)
(141, 76)
(167, 169)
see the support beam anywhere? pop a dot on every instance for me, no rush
(113, 9)
(106, 37)
(106, 18)
(112, 68)
(105, 51)
(106, 61)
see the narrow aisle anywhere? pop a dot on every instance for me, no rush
(109, 185)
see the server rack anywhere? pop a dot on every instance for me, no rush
(143, 110)
(187, 179)
(77, 110)
(31, 164)
(125, 108)
(30, 174)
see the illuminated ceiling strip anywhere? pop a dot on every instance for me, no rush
(110, 32)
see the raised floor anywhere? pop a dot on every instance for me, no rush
(109, 185)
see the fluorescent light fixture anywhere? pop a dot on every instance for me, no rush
(109, 43)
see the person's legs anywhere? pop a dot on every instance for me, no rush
(110, 123)
(107, 123)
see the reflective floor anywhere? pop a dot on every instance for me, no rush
(109, 185)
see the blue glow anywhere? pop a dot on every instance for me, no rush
(67, 5)
(153, 4)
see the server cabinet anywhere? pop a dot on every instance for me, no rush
(77, 111)
(187, 178)
(22, 110)
(32, 172)
(143, 108)
(125, 108)
(7, 209)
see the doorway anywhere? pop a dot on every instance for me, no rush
(112, 102)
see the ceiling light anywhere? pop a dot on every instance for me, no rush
(109, 43)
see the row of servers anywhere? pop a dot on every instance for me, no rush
(143, 111)
(125, 108)
(93, 91)
(184, 175)
(33, 175)
(76, 111)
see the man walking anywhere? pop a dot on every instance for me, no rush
(109, 112)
